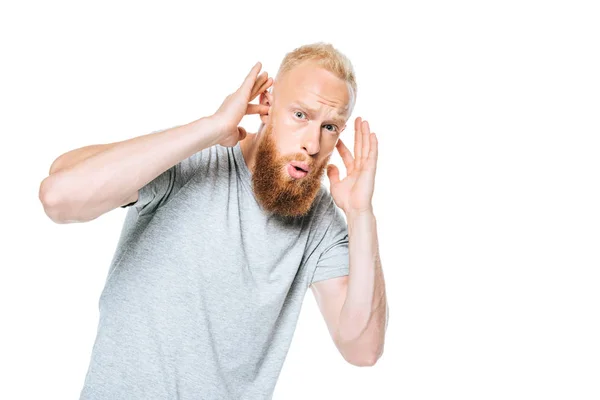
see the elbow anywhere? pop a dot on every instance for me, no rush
(53, 202)
(361, 352)
(50, 200)
(367, 360)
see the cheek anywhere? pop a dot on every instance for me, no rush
(291, 124)
(285, 139)
(330, 151)
(328, 145)
(280, 146)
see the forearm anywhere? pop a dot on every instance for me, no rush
(75, 156)
(104, 180)
(363, 317)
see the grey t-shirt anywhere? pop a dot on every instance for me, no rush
(205, 288)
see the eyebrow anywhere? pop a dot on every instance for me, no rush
(338, 119)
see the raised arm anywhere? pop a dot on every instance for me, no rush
(355, 306)
(90, 181)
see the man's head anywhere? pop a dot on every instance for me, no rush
(312, 98)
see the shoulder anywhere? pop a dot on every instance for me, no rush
(325, 211)
(323, 202)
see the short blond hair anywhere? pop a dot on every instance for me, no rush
(327, 57)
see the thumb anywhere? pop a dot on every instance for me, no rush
(242, 133)
(333, 173)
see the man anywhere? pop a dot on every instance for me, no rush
(225, 232)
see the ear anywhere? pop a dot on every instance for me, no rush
(266, 98)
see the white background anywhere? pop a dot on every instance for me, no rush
(487, 194)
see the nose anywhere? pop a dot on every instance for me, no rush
(311, 140)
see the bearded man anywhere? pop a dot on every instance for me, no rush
(225, 231)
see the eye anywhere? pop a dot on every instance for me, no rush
(299, 114)
(331, 128)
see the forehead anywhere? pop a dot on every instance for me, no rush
(313, 86)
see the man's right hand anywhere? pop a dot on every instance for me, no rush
(236, 105)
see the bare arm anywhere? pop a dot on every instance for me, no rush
(74, 156)
(88, 182)
(112, 176)
(355, 306)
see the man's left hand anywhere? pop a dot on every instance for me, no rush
(353, 194)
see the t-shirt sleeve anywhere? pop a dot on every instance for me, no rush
(333, 252)
(159, 190)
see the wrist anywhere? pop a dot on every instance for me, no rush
(357, 214)
(360, 220)
(210, 127)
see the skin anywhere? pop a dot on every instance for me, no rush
(354, 307)
(308, 110)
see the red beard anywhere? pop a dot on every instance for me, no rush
(275, 190)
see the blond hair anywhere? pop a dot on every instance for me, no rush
(328, 58)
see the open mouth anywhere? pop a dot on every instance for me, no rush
(299, 169)
(296, 172)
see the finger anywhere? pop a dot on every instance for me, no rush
(357, 141)
(257, 109)
(260, 81)
(262, 78)
(373, 152)
(246, 86)
(346, 156)
(264, 87)
(333, 173)
(366, 131)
